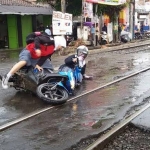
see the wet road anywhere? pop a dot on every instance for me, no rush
(65, 125)
(105, 67)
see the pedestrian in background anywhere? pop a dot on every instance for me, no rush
(93, 33)
(41, 28)
(138, 26)
(119, 31)
(104, 28)
(47, 29)
(96, 34)
(142, 28)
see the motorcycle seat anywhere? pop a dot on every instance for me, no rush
(57, 75)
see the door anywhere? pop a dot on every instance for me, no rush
(12, 31)
(26, 22)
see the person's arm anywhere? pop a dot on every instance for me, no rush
(43, 59)
(83, 69)
(37, 42)
(70, 60)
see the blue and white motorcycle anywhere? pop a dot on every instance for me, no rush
(58, 86)
(52, 88)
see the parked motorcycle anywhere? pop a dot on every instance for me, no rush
(125, 36)
(138, 35)
(103, 38)
(52, 88)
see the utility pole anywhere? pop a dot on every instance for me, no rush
(82, 14)
(133, 20)
(63, 6)
(132, 17)
(95, 22)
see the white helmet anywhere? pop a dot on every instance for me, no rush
(82, 51)
(48, 31)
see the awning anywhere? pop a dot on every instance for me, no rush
(108, 2)
(22, 10)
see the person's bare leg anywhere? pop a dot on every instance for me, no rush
(14, 69)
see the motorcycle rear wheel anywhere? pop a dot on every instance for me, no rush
(56, 96)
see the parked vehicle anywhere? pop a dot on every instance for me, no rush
(52, 88)
(125, 36)
(103, 38)
(138, 35)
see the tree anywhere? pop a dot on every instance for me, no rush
(69, 6)
(111, 11)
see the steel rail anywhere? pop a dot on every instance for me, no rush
(30, 115)
(96, 52)
(101, 142)
(91, 52)
(124, 47)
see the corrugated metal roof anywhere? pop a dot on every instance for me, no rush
(17, 3)
(23, 7)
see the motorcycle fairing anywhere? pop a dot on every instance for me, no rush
(43, 76)
(61, 85)
(70, 80)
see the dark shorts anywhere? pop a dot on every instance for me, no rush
(25, 56)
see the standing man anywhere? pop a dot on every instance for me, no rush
(104, 28)
(142, 28)
(97, 34)
(41, 28)
(138, 26)
(119, 31)
(93, 34)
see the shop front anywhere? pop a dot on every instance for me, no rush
(3, 31)
(16, 22)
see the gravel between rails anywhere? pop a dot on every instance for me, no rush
(132, 138)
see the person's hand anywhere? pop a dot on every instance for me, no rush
(74, 60)
(38, 67)
(38, 52)
(81, 58)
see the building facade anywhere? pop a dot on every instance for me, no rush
(18, 18)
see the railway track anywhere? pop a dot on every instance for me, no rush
(35, 113)
(102, 141)
(123, 48)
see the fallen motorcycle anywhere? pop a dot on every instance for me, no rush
(52, 88)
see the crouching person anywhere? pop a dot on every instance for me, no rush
(72, 61)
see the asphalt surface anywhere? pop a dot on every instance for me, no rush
(65, 125)
(8, 60)
(142, 121)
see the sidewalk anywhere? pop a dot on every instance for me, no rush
(58, 59)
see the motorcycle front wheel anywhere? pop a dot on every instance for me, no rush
(54, 96)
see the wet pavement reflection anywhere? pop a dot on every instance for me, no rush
(65, 125)
(105, 68)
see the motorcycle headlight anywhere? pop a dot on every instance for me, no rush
(72, 84)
